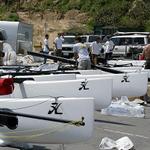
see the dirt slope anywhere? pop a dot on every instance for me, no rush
(52, 23)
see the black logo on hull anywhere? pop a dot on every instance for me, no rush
(55, 107)
(125, 78)
(83, 85)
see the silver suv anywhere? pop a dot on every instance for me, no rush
(130, 42)
(88, 39)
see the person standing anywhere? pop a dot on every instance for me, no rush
(46, 48)
(108, 47)
(146, 55)
(81, 54)
(9, 55)
(96, 49)
(58, 45)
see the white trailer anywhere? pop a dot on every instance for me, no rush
(18, 35)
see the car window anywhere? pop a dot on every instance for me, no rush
(138, 40)
(92, 38)
(115, 40)
(1, 37)
(122, 41)
(84, 39)
(125, 41)
(69, 40)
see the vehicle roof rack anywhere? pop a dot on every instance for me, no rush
(131, 33)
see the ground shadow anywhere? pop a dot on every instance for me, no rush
(112, 122)
(35, 147)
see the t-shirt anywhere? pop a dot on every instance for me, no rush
(96, 48)
(82, 51)
(108, 46)
(45, 49)
(58, 41)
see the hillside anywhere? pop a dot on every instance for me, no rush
(52, 24)
(53, 16)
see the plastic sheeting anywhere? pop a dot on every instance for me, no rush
(124, 107)
(123, 143)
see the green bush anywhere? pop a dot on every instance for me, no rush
(126, 13)
(147, 26)
(77, 30)
(13, 17)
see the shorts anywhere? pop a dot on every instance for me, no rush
(84, 64)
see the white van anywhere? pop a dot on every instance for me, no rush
(126, 42)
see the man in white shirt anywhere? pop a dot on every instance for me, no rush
(58, 44)
(96, 49)
(81, 54)
(46, 46)
(108, 47)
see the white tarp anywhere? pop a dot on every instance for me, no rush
(124, 107)
(123, 143)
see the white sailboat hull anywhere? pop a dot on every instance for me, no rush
(136, 63)
(131, 84)
(67, 88)
(31, 130)
(135, 85)
(133, 69)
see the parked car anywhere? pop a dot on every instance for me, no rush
(69, 41)
(127, 43)
(88, 39)
(67, 46)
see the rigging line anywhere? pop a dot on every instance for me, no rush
(46, 96)
(25, 107)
